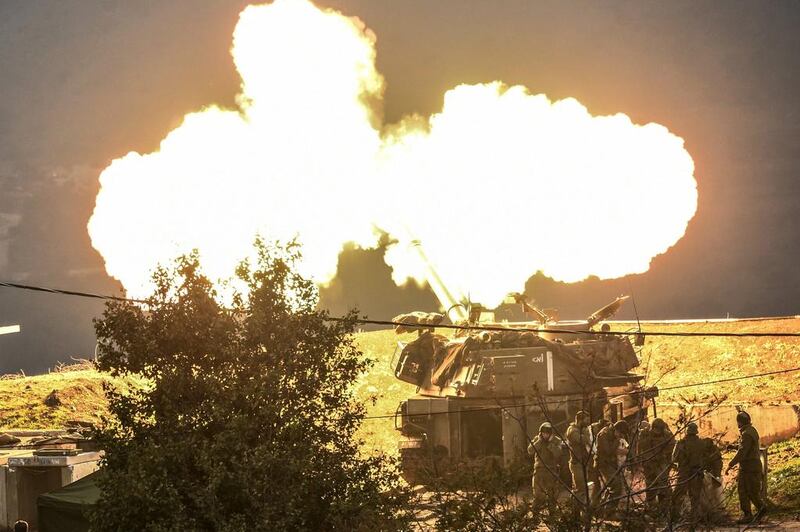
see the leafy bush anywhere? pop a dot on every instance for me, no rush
(249, 419)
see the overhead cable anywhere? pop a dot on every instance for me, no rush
(476, 327)
(611, 396)
(77, 293)
(68, 292)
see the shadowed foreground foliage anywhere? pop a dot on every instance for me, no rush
(249, 422)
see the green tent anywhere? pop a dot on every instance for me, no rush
(64, 510)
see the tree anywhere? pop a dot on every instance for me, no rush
(248, 421)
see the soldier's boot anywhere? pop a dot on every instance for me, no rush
(745, 519)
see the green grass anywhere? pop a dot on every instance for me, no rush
(676, 361)
(381, 390)
(784, 477)
(80, 390)
(79, 387)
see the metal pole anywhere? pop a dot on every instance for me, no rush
(765, 470)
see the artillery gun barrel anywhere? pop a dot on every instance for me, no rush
(453, 307)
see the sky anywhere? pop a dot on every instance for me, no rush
(83, 83)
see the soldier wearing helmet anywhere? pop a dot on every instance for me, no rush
(546, 450)
(656, 446)
(750, 471)
(579, 440)
(605, 460)
(597, 426)
(689, 455)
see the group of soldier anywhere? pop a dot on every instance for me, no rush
(594, 464)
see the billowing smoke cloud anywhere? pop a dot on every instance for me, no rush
(499, 184)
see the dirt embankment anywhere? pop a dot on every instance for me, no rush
(49, 401)
(669, 362)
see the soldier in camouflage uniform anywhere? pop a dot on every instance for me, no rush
(711, 503)
(546, 451)
(656, 446)
(750, 471)
(594, 474)
(579, 440)
(713, 458)
(597, 426)
(564, 472)
(606, 461)
(689, 455)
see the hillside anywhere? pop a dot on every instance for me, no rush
(678, 361)
(78, 387)
(668, 361)
(383, 391)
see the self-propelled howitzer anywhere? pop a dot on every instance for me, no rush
(485, 391)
